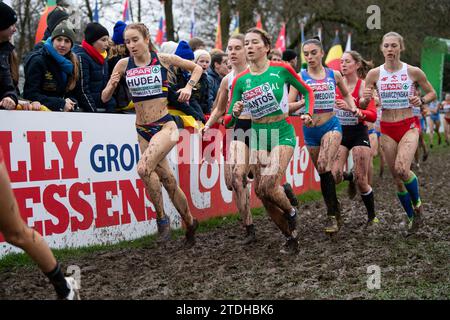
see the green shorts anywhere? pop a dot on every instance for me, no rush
(266, 136)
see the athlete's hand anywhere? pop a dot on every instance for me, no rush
(307, 120)
(415, 101)
(341, 104)
(237, 108)
(8, 103)
(185, 94)
(115, 78)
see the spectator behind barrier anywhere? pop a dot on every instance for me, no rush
(178, 80)
(201, 90)
(52, 71)
(290, 57)
(196, 43)
(54, 18)
(118, 50)
(275, 55)
(216, 72)
(92, 56)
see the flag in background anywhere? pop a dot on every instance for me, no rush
(51, 4)
(160, 35)
(281, 41)
(335, 53)
(348, 46)
(319, 33)
(126, 12)
(95, 16)
(259, 22)
(304, 65)
(218, 33)
(235, 24)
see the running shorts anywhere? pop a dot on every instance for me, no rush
(396, 130)
(313, 136)
(355, 136)
(266, 136)
(147, 131)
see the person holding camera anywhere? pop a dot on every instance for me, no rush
(52, 72)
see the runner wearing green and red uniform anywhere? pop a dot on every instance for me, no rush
(262, 90)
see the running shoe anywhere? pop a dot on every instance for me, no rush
(333, 224)
(372, 224)
(74, 293)
(250, 235)
(290, 246)
(291, 195)
(190, 234)
(163, 226)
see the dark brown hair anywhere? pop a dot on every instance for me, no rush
(365, 67)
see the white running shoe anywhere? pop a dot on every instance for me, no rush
(74, 293)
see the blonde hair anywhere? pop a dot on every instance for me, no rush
(200, 52)
(396, 35)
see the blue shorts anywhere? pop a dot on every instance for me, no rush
(313, 136)
(423, 125)
(435, 117)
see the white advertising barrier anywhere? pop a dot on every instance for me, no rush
(75, 179)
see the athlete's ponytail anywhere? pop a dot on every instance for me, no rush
(365, 67)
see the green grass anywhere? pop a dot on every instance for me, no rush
(15, 260)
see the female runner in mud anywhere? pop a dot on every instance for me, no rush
(262, 90)
(355, 135)
(394, 81)
(146, 75)
(324, 136)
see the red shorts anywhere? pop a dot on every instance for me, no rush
(448, 120)
(418, 125)
(396, 130)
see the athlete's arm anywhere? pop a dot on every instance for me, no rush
(294, 105)
(347, 97)
(236, 96)
(370, 83)
(195, 70)
(419, 76)
(370, 113)
(293, 79)
(117, 73)
(220, 104)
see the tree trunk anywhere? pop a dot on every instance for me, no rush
(246, 9)
(225, 20)
(169, 20)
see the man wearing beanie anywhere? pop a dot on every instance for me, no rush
(51, 72)
(8, 94)
(92, 56)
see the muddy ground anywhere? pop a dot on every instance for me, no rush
(219, 267)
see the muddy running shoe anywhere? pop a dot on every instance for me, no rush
(416, 222)
(74, 293)
(164, 232)
(372, 224)
(333, 224)
(190, 234)
(250, 235)
(290, 246)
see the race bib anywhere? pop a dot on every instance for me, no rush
(260, 101)
(346, 118)
(145, 81)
